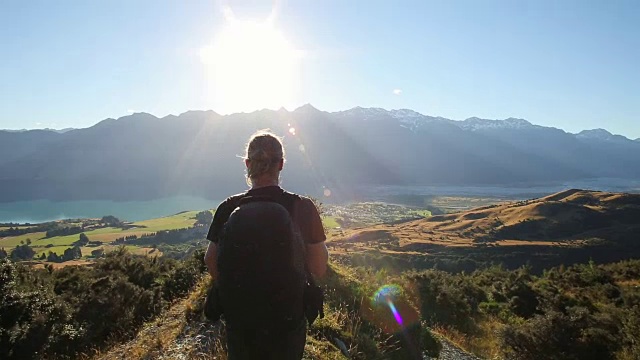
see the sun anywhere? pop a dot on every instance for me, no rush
(252, 66)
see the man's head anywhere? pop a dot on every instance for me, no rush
(264, 157)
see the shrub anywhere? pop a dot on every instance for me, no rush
(61, 313)
(449, 300)
(554, 335)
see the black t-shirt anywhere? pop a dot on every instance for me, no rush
(305, 215)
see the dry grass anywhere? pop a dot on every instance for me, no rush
(629, 283)
(534, 222)
(182, 333)
(339, 323)
(321, 350)
(456, 337)
(158, 336)
(62, 264)
(484, 343)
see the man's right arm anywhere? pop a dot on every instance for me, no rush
(317, 254)
(219, 219)
(210, 259)
(317, 258)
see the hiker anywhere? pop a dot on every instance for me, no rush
(266, 245)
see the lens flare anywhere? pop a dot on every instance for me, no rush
(385, 295)
(395, 312)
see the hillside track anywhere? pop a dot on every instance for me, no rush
(450, 351)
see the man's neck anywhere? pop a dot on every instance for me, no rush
(261, 184)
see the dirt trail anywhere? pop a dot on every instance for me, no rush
(452, 352)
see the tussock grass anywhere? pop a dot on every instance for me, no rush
(484, 342)
(159, 335)
(352, 328)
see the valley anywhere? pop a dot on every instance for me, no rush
(496, 280)
(177, 235)
(567, 227)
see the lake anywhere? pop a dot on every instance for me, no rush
(46, 210)
(513, 191)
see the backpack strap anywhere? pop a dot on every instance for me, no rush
(256, 198)
(286, 199)
(289, 201)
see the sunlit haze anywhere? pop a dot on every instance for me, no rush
(567, 64)
(250, 65)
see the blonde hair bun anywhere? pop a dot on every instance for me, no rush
(264, 152)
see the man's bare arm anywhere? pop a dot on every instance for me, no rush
(317, 258)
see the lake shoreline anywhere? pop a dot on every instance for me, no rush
(38, 211)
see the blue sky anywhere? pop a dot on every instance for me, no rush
(568, 64)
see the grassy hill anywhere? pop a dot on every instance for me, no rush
(570, 226)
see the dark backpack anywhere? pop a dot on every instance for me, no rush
(261, 265)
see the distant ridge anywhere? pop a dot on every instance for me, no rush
(472, 123)
(601, 135)
(61, 131)
(141, 156)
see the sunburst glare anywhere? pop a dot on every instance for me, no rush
(252, 65)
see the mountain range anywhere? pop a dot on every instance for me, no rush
(141, 156)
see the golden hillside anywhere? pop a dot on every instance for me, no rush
(569, 218)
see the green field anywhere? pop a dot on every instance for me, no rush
(423, 213)
(105, 235)
(57, 250)
(13, 241)
(178, 221)
(330, 222)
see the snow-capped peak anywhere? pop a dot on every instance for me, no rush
(475, 124)
(595, 134)
(603, 135)
(405, 114)
(413, 120)
(363, 113)
(406, 118)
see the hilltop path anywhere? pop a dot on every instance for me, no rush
(452, 352)
(173, 337)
